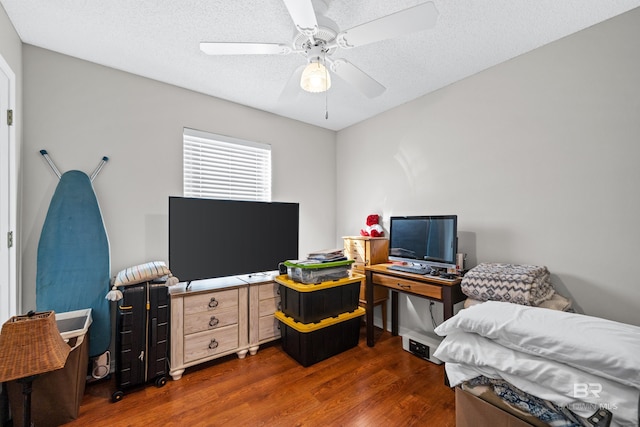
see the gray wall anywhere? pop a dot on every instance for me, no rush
(539, 158)
(10, 44)
(79, 111)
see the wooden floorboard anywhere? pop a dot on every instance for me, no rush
(363, 386)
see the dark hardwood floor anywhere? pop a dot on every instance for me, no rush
(379, 386)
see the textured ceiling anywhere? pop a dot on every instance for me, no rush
(159, 39)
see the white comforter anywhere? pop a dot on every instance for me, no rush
(570, 359)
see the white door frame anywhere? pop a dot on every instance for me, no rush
(10, 295)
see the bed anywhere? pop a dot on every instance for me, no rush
(519, 365)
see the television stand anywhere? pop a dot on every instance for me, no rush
(212, 318)
(446, 291)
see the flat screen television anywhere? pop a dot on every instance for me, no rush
(429, 241)
(215, 238)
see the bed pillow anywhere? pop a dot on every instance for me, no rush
(141, 273)
(599, 346)
(468, 355)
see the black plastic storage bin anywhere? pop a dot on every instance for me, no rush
(309, 343)
(312, 303)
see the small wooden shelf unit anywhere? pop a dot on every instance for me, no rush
(366, 251)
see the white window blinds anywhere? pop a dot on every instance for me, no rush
(220, 167)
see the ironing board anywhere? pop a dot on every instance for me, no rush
(73, 262)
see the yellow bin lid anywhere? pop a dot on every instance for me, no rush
(311, 327)
(303, 287)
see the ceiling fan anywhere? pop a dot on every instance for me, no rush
(317, 38)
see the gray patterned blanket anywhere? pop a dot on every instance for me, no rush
(519, 284)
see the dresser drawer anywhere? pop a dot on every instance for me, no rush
(358, 267)
(408, 285)
(355, 249)
(269, 327)
(203, 321)
(206, 344)
(211, 302)
(268, 290)
(269, 306)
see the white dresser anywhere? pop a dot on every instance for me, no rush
(264, 301)
(217, 317)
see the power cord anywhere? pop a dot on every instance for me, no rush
(433, 320)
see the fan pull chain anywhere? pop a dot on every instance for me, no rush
(326, 106)
(326, 94)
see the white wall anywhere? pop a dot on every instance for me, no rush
(539, 158)
(79, 111)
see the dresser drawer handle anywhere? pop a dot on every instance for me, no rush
(213, 322)
(213, 303)
(400, 285)
(213, 344)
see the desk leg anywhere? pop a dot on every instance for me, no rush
(447, 303)
(450, 296)
(394, 313)
(368, 293)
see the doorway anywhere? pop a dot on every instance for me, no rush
(9, 293)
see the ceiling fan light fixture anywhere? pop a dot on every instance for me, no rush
(315, 77)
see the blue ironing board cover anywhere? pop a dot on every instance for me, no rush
(73, 258)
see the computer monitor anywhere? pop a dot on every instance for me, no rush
(427, 240)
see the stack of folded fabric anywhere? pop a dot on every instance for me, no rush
(518, 284)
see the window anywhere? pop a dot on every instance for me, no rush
(220, 167)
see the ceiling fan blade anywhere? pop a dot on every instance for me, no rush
(303, 16)
(292, 89)
(416, 18)
(222, 48)
(356, 77)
